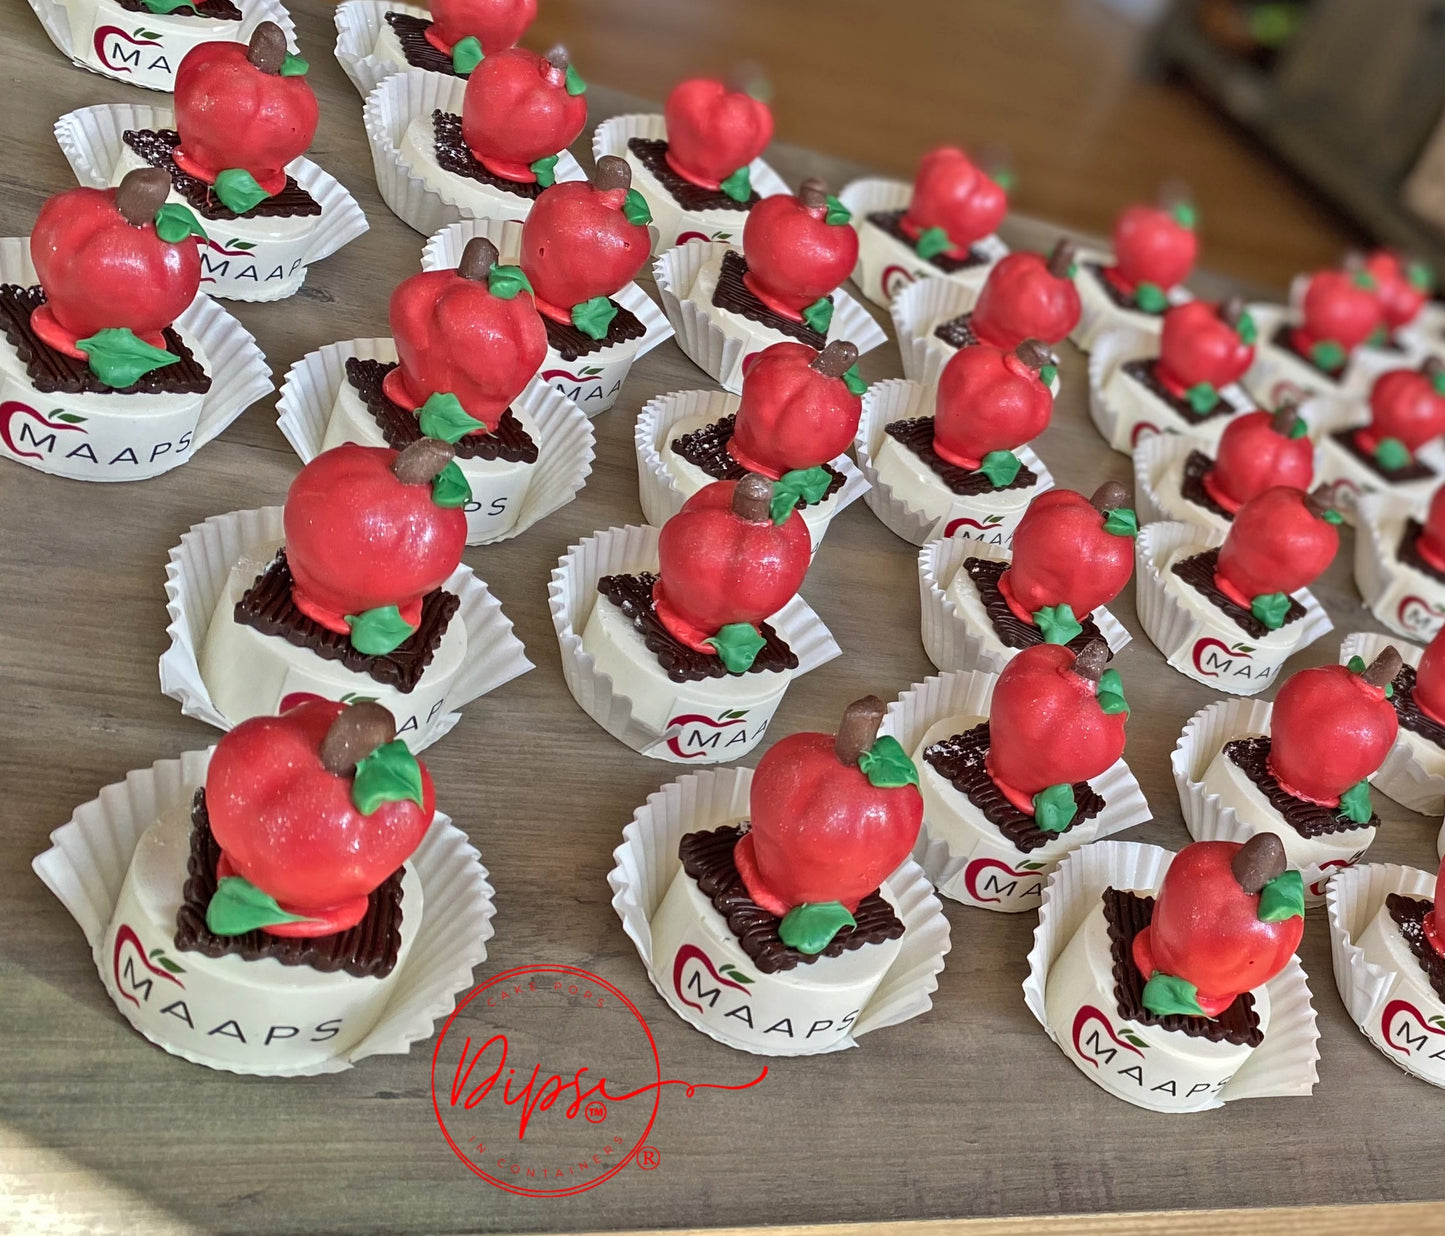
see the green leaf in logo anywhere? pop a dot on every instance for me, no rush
(238, 906)
(120, 358)
(594, 317)
(737, 645)
(375, 632)
(68, 417)
(810, 927)
(390, 774)
(886, 764)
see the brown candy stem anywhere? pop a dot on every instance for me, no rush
(1260, 860)
(1284, 417)
(267, 50)
(557, 58)
(422, 460)
(753, 498)
(1110, 496)
(354, 735)
(1354, 261)
(1231, 310)
(1318, 502)
(858, 728)
(1034, 354)
(1432, 366)
(478, 258)
(612, 173)
(1091, 659)
(1383, 668)
(835, 360)
(141, 194)
(813, 192)
(1061, 258)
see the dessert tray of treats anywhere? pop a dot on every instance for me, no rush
(851, 619)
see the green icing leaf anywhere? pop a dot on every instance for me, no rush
(1332, 516)
(168, 6)
(837, 212)
(1122, 521)
(1164, 995)
(1282, 898)
(1392, 454)
(1389, 690)
(390, 774)
(854, 381)
(1356, 665)
(635, 208)
(238, 906)
(238, 190)
(1047, 374)
(1247, 330)
(1299, 428)
(809, 484)
(1110, 694)
(1057, 624)
(1150, 298)
(739, 185)
(575, 85)
(931, 242)
(1202, 397)
(174, 223)
(1001, 467)
(466, 55)
(1437, 381)
(810, 927)
(737, 646)
(1270, 609)
(1419, 276)
(442, 416)
(1363, 279)
(819, 315)
(1355, 803)
(375, 632)
(119, 357)
(1055, 808)
(449, 488)
(1328, 355)
(593, 317)
(1185, 215)
(507, 281)
(886, 764)
(545, 170)
(294, 66)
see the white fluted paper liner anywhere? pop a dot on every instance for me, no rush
(394, 103)
(707, 345)
(92, 141)
(55, 19)
(949, 641)
(572, 592)
(358, 23)
(1381, 577)
(1352, 900)
(647, 861)
(926, 703)
(611, 138)
(1169, 623)
(1100, 316)
(443, 249)
(896, 399)
(1285, 1064)
(89, 856)
(657, 488)
(238, 370)
(1401, 777)
(566, 442)
(196, 574)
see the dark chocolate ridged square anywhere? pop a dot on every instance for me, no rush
(1412, 471)
(410, 31)
(1251, 757)
(368, 950)
(707, 858)
(158, 148)
(1144, 371)
(572, 344)
(651, 152)
(891, 222)
(917, 435)
(707, 449)
(1122, 300)
(1127, 915)
(958, 332)
(55, 373)
(1191, 484)
(455, 156)
(733, 295)
(1283, 339)
(1013, 631)
(959, 759)
(398, 425)
(217, 10)
(1408, 551)
(268, 607)
(1198, 572)
(1409, 915)
(1408, 710)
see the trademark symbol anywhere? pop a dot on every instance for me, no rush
(596, 1112)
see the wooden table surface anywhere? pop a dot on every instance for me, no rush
(969, 1110)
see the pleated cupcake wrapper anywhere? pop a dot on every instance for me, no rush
(611, 138)
(392, 105)
(1164, 454)
(238, 370)
(566, 442)
(55, 20)
(1285, 1064)
(949, 641)
(1275, 368)
(898, 399)
(1339, 471)
(1164, 617)
(86, 864)
(358, 23)
(1110, 352)
(1401, 777)
(647, 861)
(658, 490)
(196, 575)
(970, 694)
(628, 551)
(706, 344)
(1377, 568)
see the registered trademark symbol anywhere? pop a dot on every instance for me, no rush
(648, 1159)
(596, 1112)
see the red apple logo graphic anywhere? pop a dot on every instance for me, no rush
(989, 523)
(798, 250)
(1402, 286)
(727, 721)
(1394, 1009)
(520, 110)
(1280, 542)
(1028, 296)
(1155, 247)
(1232, 652)
(799, 408)
(1088, 1015)
(980, 867)
(140, 38)
(469, 333)
(243, 114)
(495, 24)
(955, 204)
(1204, 348)
(990, 401)
(1407, 410)
(162, 968)
(1339, 312)
(1259, 451)
(312, 811)
(691, 952)
(831, 818)
(11, 408)
(714, 132)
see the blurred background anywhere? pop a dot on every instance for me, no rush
(1303, 127)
